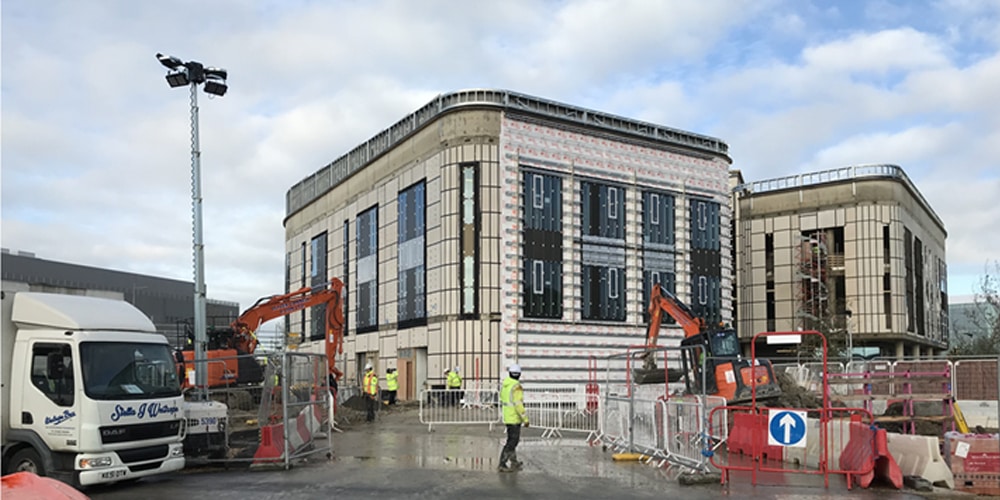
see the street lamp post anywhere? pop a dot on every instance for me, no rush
(192, 74)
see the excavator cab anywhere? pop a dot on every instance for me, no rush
(727, 374)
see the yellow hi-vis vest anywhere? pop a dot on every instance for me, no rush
(454, 380)
(392, 381)
(371, 383)
(512, 399)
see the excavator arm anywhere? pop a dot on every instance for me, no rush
(661, 301)
(268, 308)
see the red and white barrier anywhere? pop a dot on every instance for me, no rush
(272, 437)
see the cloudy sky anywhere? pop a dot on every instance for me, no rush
(96, 146)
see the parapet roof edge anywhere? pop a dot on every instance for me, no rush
(837, 175)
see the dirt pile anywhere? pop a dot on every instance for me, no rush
(794, 395)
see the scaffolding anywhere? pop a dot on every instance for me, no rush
(813, 274)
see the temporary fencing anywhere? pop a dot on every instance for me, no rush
(562, 408)
(294, 411)
(655, 420)
(440, 407)
(815, 441)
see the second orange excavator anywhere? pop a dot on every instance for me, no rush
(227, 361)
(727, 373)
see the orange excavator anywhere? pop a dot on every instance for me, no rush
(225, 368)
(727, 374)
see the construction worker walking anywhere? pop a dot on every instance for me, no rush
(514, 415)
(371, 391)
(391, 385)
(455, 384)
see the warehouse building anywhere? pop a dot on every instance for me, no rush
(169, 303)
(854, 250)
(490, 227)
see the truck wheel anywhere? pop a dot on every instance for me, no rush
(26, 460)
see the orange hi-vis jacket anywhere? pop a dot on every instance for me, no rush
(371, 383)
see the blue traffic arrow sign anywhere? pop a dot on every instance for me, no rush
(786, 428)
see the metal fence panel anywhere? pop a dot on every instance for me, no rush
(443, 407)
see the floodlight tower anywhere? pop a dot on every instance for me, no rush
(192, 74)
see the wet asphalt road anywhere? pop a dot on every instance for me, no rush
(398, 458)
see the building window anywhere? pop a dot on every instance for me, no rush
(603, 252)
(654, 209)
(318, 277)
(919, 284)
(302, 283)
(658, 252)
(470, 239)
(412, 290)
(288, 288)
(908, 278)
(542, 246)
(367, 249)
(347, 273)
(706, 260)
(769, 309)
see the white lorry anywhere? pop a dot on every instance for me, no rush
(90, 390)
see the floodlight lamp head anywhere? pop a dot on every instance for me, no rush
(215, 86)
(169, 61)
(177, 79)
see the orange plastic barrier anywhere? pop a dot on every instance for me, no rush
(867, 445)
(272, 437)
(29, 486)
(747, 430)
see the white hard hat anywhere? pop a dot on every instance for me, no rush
(368, 366)
(515, 368)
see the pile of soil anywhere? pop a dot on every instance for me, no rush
(356, 403)
(794, 395)
(920, 409)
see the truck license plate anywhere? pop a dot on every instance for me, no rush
(113, 474)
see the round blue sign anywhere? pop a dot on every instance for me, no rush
(787, 428)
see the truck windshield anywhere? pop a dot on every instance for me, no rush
(126, 370)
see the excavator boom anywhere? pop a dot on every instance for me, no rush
(277, 306)
(241, 338)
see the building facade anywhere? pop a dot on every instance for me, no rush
(169, 303)
(856, 249)
(490, 227)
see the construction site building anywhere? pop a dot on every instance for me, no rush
(490, 227)
(855, 251)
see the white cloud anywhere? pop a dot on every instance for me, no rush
(898, 49)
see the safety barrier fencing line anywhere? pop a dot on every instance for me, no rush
(835, 441)
(278, 419)
(442, 407)
(558, 412)
(670, 432)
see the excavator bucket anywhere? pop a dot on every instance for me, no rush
(644, 376)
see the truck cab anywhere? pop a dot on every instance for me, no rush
(90, 391)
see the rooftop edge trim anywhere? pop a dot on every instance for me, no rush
(836, 175)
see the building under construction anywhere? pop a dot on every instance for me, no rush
(491, 227)
(856, 252)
